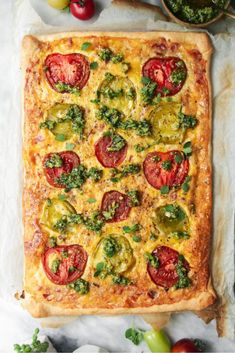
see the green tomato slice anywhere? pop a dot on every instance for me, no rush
(123, 258)
(171, 218)
(165, 123)
(118, 93)
(157, 341)
(53, 211)
(56, 113)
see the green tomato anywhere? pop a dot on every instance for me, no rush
(157, 341)
(57, 112)
(58, 4)
(53, 211)
(165, 123)
(170, 218)
(121, 261)
(117, 93)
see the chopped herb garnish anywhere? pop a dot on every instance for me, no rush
(141, 148)
(182, 272)
(111, 116)
(180, 234)
(178, 158)
(75, 114)
(99, 269)
(185, 185)
(131, 93)
(166, 90)
(118, 174)
(111, 246)
(52, 241)
(94, 65)
(132, 229)
(173, 212)
(55, 265)
(148, 90)
(80, 286)
(152, 259)
(95, 101)
(91, 200)
(117, 58)
(136, 238)
(165, 189)
(72, 269)
(153, 236)
(70, 146)
(178, 76)
(86, 45)
(135, 198)
(110, 93)
(103, 269)
(116, 119)
(110, 212)
(78, 176)
(60, 137)
(118, 142)
(105, 54)
(61, 225)
(62, 197)
(49, 202)
(95, 222)
(55, 161)
(48, 124)
(187, 148)
(121, 280)
(109, 77)
(63, 87)
(187, 121)
(167, 165)
(65, 254)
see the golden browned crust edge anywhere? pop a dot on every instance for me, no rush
(36, 309)
(202, 300)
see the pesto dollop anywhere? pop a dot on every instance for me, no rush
(195, 11)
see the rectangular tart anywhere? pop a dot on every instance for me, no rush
(117, 198)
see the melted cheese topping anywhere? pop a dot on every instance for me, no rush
(39, 98)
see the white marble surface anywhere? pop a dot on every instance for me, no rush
(16, 325)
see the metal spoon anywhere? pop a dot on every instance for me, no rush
(225, 12)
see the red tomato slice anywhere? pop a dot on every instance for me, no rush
(70, 161)
(72, 262)
(115, 197)
(159, 70)
(69, 69)
(165, 275)
(157, 176)
(109, 159)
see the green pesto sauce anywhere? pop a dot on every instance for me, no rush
(195, 11)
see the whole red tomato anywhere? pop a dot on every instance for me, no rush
(82, 9)
(185, 345)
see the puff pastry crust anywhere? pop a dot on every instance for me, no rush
(42, 297)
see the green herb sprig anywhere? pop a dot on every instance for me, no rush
(35, 347)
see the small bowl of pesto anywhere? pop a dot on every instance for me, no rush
(196, 13)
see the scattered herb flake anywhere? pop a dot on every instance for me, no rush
(86, 45)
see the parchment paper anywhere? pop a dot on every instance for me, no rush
(11, 244)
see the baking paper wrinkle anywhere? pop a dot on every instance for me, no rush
(27, 21)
